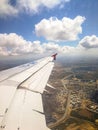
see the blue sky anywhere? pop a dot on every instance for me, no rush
(64, 26)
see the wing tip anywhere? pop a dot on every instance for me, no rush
(54, 56)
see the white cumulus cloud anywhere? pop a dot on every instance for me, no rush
(13, 44)
(6, 9)
(65, 29)
(89, 42)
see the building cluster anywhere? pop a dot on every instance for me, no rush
(75, 100)
(61, 99)
(92, 107)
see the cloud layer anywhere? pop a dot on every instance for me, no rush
(29, 6)
(13, 44)
(65, 29)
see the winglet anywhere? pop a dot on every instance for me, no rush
(54, 56)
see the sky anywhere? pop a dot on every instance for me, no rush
(44, 27)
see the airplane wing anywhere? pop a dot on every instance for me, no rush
(21, 89)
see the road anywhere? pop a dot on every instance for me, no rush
(66, 114)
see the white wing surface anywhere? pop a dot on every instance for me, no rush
(21, 89)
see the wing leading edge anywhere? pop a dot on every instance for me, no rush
(21, 96)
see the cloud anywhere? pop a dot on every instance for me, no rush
(6, 9)
(89, 42)
(3, 51)
(65, 29)
(27, 6)
(51, 47)
(33, 6)
(13, 44)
